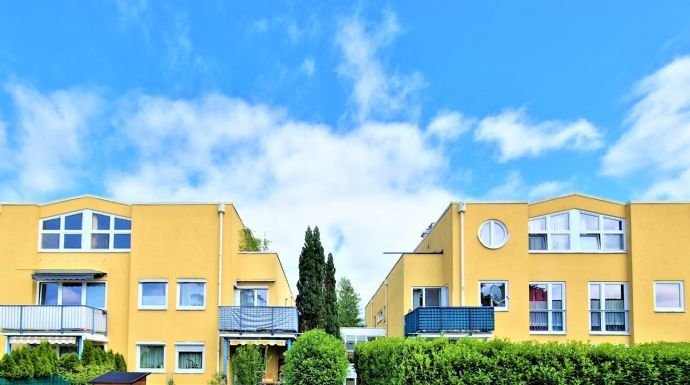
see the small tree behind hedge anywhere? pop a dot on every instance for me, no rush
(316, 358)
(248, 365)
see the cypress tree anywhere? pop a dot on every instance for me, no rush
(331, 299)
(310, 301)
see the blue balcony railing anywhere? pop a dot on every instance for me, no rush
(445, 319)
(53, 318)
(257, 319)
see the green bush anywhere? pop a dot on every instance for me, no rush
(469, 362)
(316, 358)
(248, 365)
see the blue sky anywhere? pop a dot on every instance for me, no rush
(365, 119)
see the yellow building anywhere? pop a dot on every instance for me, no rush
(567, 268)
(166, 285)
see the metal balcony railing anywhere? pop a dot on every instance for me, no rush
(269, 319)
(53, 318)
(446, 319)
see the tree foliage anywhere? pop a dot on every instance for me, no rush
(248, 365)
(310, 299)
(348, 304)
(249, 242)
(330, 316)
(316, 358)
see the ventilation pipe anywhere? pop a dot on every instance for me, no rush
(221, 212)
(462, 207)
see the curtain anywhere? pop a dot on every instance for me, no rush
(538, 300)
(192, 294)
(589, 222)
(150, 357)
(537, 242)
(537, 225)
(560, 222)
(417, 299)
(190, 360)
(560, 241)
(615, 320)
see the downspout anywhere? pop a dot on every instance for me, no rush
(462, 207)
(386, 306)
(221, 211)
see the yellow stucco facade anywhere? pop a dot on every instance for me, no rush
(610, 272)
(166, 245)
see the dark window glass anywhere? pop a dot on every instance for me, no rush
(73, 222)
(537, 242)
(48, 293)
(51, 224)
(123, 224)
(95, 294)
(72, 241)
(122, 241)
(100, 222)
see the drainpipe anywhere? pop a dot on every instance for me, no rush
(462, 207)
(221, 211)
(386, 306)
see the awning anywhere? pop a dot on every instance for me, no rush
(35, 340)
(257, 342)
(66, 275)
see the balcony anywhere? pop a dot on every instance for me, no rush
(466, 320)
(257, 319)
(25, 319)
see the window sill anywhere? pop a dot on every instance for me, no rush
(577, 251)
(591, 333)
(669, 310)
(151, 370)
(84, 250)
(153, 308)
(191, 308)
(539, 333)
(189, 371)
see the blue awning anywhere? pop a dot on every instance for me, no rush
(66, 275)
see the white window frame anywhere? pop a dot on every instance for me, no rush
(551, 310)
(190, 347)
(238, 297)
(141, 291)
(379, 316)
(177, 301)
(442, 300)
(575, 231)
(602, 298)
(507, 300)
(83, 292)
(680, 309)
(151, 370)
(491, 244)
(85, 232)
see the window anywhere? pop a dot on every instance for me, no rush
(576, 230)
(191, 294)
(547, 307)
(379, 316)
(669, 296)
(72, 293)
(251, 296)
(494, 293)
(608, 307)
(151, 357)
(85, 231)
(189, 358)
(153, 295)
(429, 296)
(493, 234)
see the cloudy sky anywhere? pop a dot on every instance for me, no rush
(365, 119)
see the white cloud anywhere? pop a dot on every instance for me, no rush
(515, 188)
(5, 160)
(131, 11)
(308, 66)
(375, 93)
(370, 189)
(449, 125)
(51, 130)
(657, 140)
(518, 136)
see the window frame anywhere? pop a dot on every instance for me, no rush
(680, 309)
(379, 316)
(86, 231)
(178, 306)
(141, 293)
(190, 345)
(238, 295)
(491, 222)
(602, 294)
(507, 294)
(442, 290)
(575, 232)
(84, 284)
(151, 370)
(551, 310)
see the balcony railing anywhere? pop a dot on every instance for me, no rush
(445, 319)
(257, 319)
(52, 318)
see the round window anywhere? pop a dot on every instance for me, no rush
(493, 234)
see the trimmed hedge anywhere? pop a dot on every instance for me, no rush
(316, 358)
(413, 361)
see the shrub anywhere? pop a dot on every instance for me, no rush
(467, 361)
(316, 358)
(68, 363)
(248, 365)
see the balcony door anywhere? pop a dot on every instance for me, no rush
(251, 296)
(429, 296)
(72, 294)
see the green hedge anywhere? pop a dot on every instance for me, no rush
(316, 358)
(398, 361)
